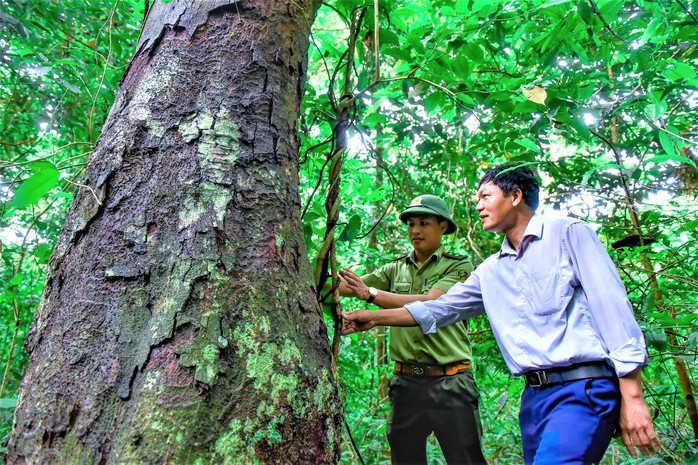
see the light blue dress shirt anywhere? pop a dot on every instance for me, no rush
(556, 302)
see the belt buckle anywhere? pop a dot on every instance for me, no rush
(417, 370)
(540, 379)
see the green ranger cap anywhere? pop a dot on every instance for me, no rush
(429, 205)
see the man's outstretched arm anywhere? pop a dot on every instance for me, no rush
(352, 285)
(362, 320)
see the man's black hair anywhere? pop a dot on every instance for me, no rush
(511, 177)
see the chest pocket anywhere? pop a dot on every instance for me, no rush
(402, 288)
(550, 290)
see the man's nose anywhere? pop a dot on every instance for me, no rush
(479, 206)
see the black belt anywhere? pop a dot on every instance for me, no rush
(550, 376)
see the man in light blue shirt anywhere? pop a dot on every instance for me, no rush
(562, 319)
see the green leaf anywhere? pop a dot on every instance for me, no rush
(585, 92)
(432, 101)
(585, 12)
(352, 229)
(474, 53)
(529, 144)
(609, 9)
(526, 106)
(553, 3)
(679, 72)
(16, 279)
(588, 174)
(388, 37)
(692, 342)
(415, 40)
(609, 166)
(462, 6)
(446, 11)
(582, 129)
(656, 338)
(461, 66)
(654, 111)
(649, 304)
(485, 8)
(311, 216)
(8, 403)
(404, 12)
(43, 253)
(375, 118)
(559, 114)
(653, 29)
(662, 158)
(466, 99)
(399, 53)
(308, 236)
(669, 143)
(36, 186)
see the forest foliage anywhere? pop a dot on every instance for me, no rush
(599, 96)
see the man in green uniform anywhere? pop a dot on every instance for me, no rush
(432, 389)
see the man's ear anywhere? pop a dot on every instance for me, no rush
(444, 225)
(516, 196)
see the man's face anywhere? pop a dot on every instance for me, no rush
(495, 208)
(425, 232)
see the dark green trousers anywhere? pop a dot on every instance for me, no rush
(444, 405)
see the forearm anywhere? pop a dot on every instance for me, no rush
(386, 299)
(363, 320)
(393, 317)
(631, 385)
(635, 419)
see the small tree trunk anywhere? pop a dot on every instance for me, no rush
(179, 323)
(379, 333)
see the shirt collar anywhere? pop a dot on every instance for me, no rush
(534, 229)
(438, 253)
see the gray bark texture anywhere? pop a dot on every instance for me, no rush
(178, 323)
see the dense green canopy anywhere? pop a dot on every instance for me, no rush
(599, 96)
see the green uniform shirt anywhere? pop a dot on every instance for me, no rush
(402, 276)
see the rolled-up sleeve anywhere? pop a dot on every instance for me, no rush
(628, 357)
(422, 316)
(463, 300)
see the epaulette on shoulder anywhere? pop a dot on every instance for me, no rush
(400, 257)
(454, 257)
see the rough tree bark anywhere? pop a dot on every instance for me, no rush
(179, 323)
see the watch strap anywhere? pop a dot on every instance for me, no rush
(371, 295)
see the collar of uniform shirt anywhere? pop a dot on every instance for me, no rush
(433, 257)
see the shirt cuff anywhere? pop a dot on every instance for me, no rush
(629, 357)
(422, 316)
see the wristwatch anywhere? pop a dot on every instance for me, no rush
(373, 293)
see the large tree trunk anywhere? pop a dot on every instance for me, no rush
(179, 323)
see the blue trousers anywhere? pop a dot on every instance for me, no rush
(570, 423)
